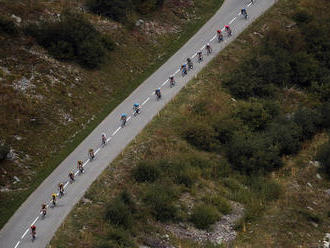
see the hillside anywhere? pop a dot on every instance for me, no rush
(64, 66)
(240, 158)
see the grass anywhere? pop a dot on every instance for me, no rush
(276, 212)
(59, 146)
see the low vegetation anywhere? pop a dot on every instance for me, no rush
(72, 38)
(50, 93)
(240, 133)
(119, 10)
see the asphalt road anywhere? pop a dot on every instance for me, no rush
(16, 232)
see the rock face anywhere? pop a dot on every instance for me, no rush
(222, 231)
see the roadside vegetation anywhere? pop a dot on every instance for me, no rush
(55, 89)
(246, 131)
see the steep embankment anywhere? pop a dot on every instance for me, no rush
(47, 106)
(243, 134)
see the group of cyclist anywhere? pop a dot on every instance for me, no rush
(137, 110)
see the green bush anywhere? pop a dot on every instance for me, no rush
(160, 198)
(114, 9)
(72, 38)
(222, 205)
(187, 177)
(119, 9)
(325, 116)
(309, 120)
(255, 114)
(264, 188)
(203, 216)
(286, 135)
(225, 129)
(118, 238)
(7, 26)
(146, 172)
(253, 154)
(200, 135)
(4, 150)
(119, 214)
(323, 156)
(302, 16)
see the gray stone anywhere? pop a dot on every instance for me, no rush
(17, 18)
(17, 179)
(309, 185)
(318, 176)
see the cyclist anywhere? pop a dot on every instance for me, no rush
(158, 94)
(172, 81)
(228, 30)
(190, 64)
(208, 48)
(104, 139)
(54, 199)
(61, 189)
(200, 56)
(44, 209)
(220, 35)
(80, 166)
(184, 69)
(91, 154)
(33, 232)
(123, 119)
(244, 13)
(136, 108)
(71, 177)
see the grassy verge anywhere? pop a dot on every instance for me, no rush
(207, 150)
(48, 151)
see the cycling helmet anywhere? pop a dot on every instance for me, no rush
(136, 105)
(219, 31)
(123, 115)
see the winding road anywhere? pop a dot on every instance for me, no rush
(16, 232)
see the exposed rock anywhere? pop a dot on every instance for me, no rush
(86, 200)
(222, 231)
(17, 179)
(139, 22)
(318, 176)
(17, 18)
(328, 192)
(314, 224)
(309, 185)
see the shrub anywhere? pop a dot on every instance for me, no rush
(118, 238)
(4, 150)
(323, 156)
(325, 116)
(302, 16)
(200, 135)
(203, 216)
(309, 120)
(114, 9)
(304, 69)
(160, 200)
(286, 135)
(222, 205)
(72, 38)
(7, 26)
(146, 172)
(254, 114)
(264, 188)
(253, 154)
(225, 129)
(119, 214)
(187, 177)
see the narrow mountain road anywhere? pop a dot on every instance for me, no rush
(16, 232)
